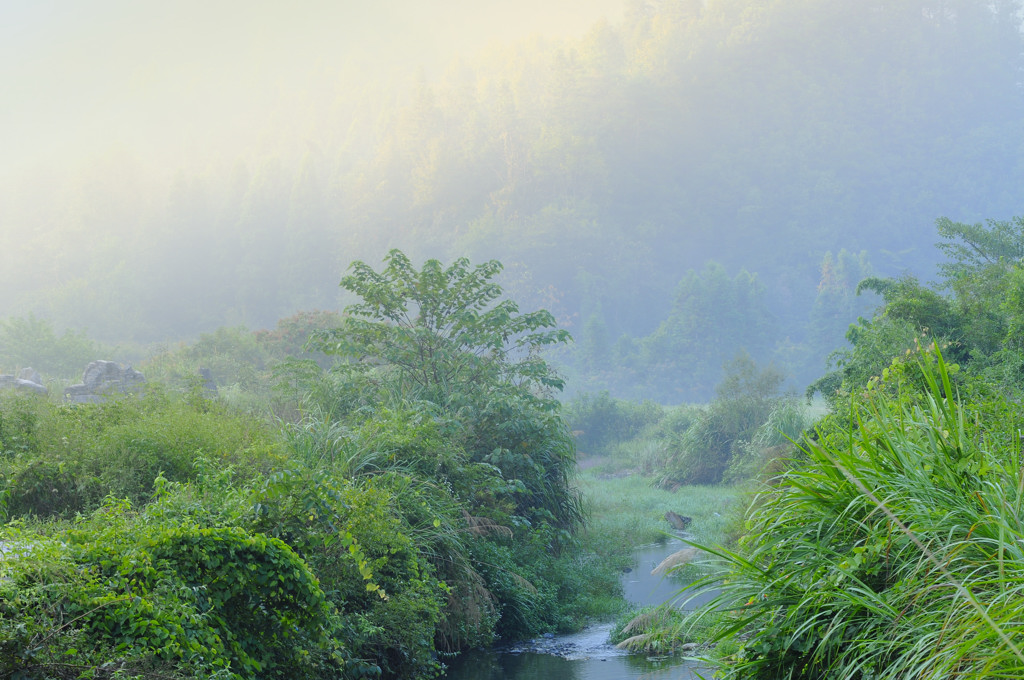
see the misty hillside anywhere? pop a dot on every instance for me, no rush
(690, 180)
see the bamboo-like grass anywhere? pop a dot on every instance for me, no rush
(895, 552)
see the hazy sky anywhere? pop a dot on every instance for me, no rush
(79, 78)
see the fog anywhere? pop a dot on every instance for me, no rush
(184, 82)
(675, 180)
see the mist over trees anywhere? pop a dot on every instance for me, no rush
(694, 180)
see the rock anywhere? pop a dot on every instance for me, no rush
(678, 522)
(28, 380)
(100, 372)
(31, 374)
(102, 378)
(30, 386)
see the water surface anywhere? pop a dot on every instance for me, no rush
(588, 655)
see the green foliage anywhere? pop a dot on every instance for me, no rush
(62, 459)
(746, 398)
(892, 551)
(599, 421)
(32, 342)
(179, 536)
(977, 323)
(909, 301)
(629, 511)
(974, 247)
(244, 364)
(370, 556)
(438, 328)
(538, 592)
(771, 443)
(437, 336)
(130, 592)
(657, 630)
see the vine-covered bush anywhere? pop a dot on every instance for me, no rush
(122, 590)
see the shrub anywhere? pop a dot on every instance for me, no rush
(368, 559)
(599, 421)
(125, 591)
(746, 398)
(62, 459)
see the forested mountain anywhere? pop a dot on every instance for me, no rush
(696, 178)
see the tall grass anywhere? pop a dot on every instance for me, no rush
(895, 551)
(628, 512)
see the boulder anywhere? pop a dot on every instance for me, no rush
(28, 380)
(678, 522)
(29, 386)
(102, 378)
(31, 374)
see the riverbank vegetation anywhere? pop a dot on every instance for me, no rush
(420, 504)
(889, 546)
(730, 439)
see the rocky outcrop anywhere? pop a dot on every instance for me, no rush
(28, 379)
(101, 379)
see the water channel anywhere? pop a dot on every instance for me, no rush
(588, 655)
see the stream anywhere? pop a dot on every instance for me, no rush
(588, 655)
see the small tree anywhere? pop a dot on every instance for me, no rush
(443, 336)
(439, 330)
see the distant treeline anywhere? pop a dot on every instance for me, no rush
(757, 135)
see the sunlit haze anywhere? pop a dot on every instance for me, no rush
(182, 81)
(676, 181)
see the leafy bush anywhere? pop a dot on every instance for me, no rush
(369, 557)
(61, 459)
(599, 421)
(31, 341)
(771, 443)
(746, 399)
(125, 591)
(242, 362)
(443, 336)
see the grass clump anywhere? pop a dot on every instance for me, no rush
(630, 511)
(663, 630)
(61, 459)
(895, 550)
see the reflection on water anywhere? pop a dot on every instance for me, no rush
(643, 588)
(491, 665)
(588, 655)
